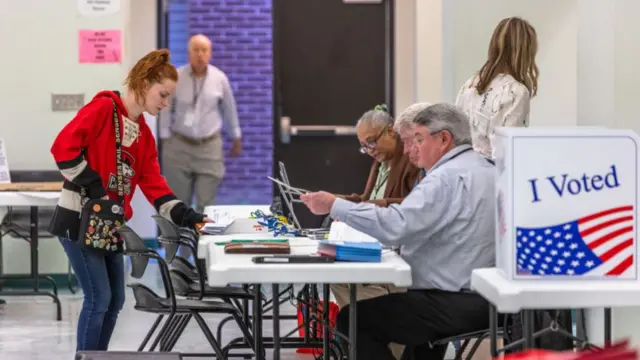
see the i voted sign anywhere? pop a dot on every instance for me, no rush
(567, 203)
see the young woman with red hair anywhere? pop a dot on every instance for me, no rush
(86, 152)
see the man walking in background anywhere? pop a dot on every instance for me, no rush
(190, 128)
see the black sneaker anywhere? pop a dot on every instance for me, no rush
(2, 303)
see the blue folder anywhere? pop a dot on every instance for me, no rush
(352, 251)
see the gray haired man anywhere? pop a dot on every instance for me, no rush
(192, 157)
(446, 229)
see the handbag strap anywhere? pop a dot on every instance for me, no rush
(119, 170)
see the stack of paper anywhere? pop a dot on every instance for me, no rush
(221, 222)
(342, 231)
(351, 250)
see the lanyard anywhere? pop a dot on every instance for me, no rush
(381, 180)
(196, 90)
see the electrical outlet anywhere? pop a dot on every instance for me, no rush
(67, 102)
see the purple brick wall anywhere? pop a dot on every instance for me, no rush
(241, 34)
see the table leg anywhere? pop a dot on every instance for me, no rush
(493, 331)
(527, 324)
(276, 321)
(325, 322)
(257, 323)
(314, 305)
(245, 308)
(607, 327)
(353, 325)
(306, 314)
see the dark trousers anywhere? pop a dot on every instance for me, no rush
(414, 319)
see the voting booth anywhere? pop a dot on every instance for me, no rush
(567, 203)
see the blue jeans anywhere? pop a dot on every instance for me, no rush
(101, 277)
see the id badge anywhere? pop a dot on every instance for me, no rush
(189, 118)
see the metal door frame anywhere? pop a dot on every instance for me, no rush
(162, 42)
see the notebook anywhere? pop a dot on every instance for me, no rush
(357, 251)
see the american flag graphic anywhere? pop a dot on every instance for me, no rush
(599, 244)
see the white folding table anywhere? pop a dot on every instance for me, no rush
(508, 296)
(33, 200)
(224, 269)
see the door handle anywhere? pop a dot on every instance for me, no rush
(287, 130)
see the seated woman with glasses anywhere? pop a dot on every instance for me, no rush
(392, 175)
(391, 179)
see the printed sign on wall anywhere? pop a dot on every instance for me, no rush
(568, 204)
(100, 46)
(98, 7)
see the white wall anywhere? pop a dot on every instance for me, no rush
(41, 59)
(588, 60)
(611, 93)
(142, 35)
(625, 67)
(451, 39)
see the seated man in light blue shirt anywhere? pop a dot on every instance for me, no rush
(446, 229)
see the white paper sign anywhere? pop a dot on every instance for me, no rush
(5, 176)
(567, 203)
(98, 7)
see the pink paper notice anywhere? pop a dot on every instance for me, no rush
(100, 46)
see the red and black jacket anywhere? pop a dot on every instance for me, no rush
(85, 152)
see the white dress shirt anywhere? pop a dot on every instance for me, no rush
(505, 103)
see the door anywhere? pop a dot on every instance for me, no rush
(332, 62)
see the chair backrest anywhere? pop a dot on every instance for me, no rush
(134, 245)
(186, 237)
(140, 255)
(169, 237)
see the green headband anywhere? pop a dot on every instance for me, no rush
(382, 107)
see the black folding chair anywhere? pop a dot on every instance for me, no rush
(474, 339)
(172, 238)
(190, 280)
(148, 301)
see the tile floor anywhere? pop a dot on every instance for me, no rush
(28, 330)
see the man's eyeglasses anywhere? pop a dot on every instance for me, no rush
(418, 140)
(371, 144)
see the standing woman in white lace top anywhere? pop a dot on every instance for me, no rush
(499, 94)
